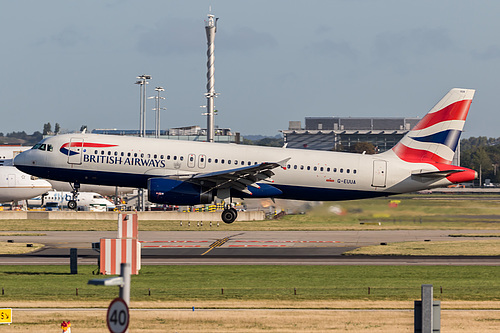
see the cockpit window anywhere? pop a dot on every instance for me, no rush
(49, 148)
(43, 146)
(36, 146)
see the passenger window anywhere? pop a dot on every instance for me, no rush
(191, 158)
(168, 157)
(328, 169)
(315, 168)
(181, 158)
(228, 161)
(289, 166)
(334, 169)
(135, 154)
(295, 167)
(116, 153)
(308, 168)
(222, 161)
(202, 160)
(216, 160)
(128, 154)
(249, 163)
(155, 156)
(209, 160)
(149, 155)
(348, 170)
(341, 170)
(354, 171)
(175, 158)
(161, 157)
(142, 155)
(109, 152)
(301, 167)
(321, 169)
(96, 152)
(102, 152)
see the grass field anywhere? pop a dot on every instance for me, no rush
(256, 298)
(263, 283)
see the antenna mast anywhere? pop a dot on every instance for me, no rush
(210, 29)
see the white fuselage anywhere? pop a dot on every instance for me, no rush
(61, 199)
(16, 185)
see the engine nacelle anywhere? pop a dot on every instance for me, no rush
(176, 192)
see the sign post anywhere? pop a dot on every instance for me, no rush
(117, 317)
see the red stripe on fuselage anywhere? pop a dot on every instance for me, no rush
(455, 111)
(87, 145)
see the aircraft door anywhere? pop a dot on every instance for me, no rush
(202, 161)
(75, 151)
(379, 173)
(11, 180)
(191, 160)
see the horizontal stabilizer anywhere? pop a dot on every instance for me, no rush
(436, 174)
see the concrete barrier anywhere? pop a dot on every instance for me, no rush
(113, 216)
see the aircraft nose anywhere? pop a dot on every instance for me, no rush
(20, 159)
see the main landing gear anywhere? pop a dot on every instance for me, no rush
(229, 214)
(72, 203)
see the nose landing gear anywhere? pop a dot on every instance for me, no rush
(72, 203)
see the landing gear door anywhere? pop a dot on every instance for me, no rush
(75, 151)
(379, 173)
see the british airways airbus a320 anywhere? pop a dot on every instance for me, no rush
(190, 173)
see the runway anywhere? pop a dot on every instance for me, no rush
(243, 247)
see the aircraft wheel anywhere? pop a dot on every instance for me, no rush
(72, 204)
(229, 215)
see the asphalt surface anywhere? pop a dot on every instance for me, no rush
(244, 247)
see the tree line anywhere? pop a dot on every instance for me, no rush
(482, 154)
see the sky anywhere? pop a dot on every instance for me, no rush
(75, 62)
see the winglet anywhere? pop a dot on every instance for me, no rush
(283, 163)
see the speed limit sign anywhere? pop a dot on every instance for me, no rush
(118, 316)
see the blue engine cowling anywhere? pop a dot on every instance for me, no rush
(176, 192)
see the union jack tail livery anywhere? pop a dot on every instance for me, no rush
(435, 138)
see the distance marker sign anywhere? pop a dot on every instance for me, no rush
(6, 316)
(117, 317)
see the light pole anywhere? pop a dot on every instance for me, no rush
(142, 82)
(158, 109)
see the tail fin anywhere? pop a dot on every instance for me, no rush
(435, 138)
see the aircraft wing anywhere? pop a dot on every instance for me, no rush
(238, 178)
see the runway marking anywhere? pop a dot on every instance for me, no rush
(219, 243)
(162, 246)
(215, 244)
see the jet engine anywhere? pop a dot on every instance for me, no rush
(177, 192)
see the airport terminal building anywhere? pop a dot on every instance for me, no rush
(336, 133)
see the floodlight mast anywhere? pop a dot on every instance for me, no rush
(210, 29)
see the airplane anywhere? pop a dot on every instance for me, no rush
(190, 173)
(16, 185)
(8, 152)
(84, 200)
